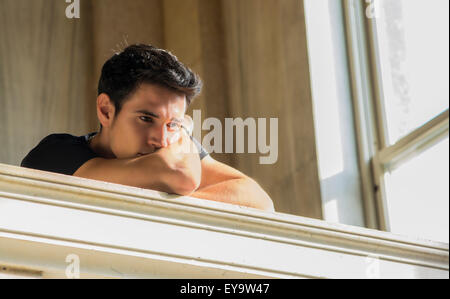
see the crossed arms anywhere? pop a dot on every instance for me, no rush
(180, 172)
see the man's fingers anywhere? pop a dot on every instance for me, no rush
(185, 144)
(174, 138)
(188, 124)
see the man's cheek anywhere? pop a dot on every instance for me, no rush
(125, 150)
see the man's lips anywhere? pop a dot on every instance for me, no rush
(141, 154)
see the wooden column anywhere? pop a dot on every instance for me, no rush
(269, 78)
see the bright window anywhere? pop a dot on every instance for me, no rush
(418, 193)
(413, 45)
(399, 62)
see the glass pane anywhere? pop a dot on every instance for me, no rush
(418, 195)
(414, 56)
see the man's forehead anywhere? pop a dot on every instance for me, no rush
(151, 98)
(160, 91)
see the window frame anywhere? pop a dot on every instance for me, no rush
(376, 156)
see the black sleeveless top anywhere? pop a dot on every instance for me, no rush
(65, 153)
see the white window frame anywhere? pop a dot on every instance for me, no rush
(333, 113)
(376, 156)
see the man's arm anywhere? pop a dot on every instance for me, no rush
(223, 183)
(169, 169)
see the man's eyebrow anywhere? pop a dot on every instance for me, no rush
(148, 113)
(156, 116)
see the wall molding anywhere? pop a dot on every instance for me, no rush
(121, 231)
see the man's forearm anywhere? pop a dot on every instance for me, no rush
(149, 172)
(242, 191)
(182, 178)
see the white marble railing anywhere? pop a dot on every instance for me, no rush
(51, 223)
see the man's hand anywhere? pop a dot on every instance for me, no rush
(183, 162)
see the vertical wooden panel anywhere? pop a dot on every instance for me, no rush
(193, 31)
(118, 23)
(215, 62)
(182, 37)
(269, 77)
(45, 73)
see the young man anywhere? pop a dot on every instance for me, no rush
(143, 94)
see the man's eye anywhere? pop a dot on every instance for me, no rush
(146, 119)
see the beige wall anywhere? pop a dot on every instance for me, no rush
(251, 55)
(117, 23)
(46, 82)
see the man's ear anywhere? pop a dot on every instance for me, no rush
(105, 110)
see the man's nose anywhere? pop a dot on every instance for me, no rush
(159, 137)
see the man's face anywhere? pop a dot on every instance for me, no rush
(149, 120)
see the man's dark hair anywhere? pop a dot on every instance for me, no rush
(123, 73)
